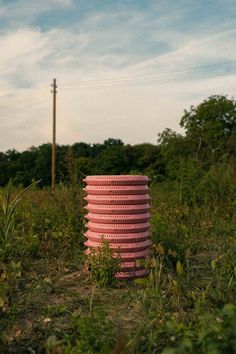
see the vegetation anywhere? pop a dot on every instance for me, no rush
(102, 266)
(48, 303)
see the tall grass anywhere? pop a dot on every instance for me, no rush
(8, 205)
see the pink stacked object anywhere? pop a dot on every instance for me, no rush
(118, 211)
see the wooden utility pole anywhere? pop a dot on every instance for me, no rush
(54, 92)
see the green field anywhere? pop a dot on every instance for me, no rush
(48, 304)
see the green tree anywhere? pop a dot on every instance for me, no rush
(175, 149)
(43, 164)
(210, 126)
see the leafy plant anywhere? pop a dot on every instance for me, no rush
(9, 275)
(88, 335)
(208, 334)
(47, 224)
(103, 265)
(224, 277)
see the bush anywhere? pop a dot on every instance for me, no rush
(102, 265)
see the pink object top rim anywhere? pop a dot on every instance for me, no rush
(141, 189)
(101, 180)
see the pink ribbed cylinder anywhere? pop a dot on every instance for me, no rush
(118, 211)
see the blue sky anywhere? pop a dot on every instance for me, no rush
(125, 69)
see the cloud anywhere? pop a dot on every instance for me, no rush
(119, 67)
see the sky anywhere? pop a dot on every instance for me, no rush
(125, 69)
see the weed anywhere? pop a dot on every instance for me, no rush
(103, 265)
(8, 205)
(89, 335)
(210, 333)
(9, 274)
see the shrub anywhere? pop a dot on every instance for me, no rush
(102, 265)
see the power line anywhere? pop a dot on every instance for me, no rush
(142, 83)
(154, 75)
(21, 100)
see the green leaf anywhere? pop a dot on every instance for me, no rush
(213, 264)
(141, 281)
(179, 268)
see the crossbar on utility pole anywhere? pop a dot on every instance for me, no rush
(54, 92)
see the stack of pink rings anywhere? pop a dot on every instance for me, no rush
(118, 211)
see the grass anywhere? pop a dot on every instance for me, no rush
(186, 305)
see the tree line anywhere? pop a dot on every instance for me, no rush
(207, 146)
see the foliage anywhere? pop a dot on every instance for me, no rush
(210, 333)
(78, 160)
(210, 125)
(102, 265)
(89, 335)
(51, 222)
(205, 333)
(8, 205)
(9, 274)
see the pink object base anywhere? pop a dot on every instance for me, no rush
(140, 273)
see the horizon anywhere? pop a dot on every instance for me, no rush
(76, 142)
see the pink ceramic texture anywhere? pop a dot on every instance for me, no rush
(116, 190)
(132, 256)
(117, 238)
(118, 212)
(118, 228)
(129, 256)
(121, 247)
(119, 218)
(117, 209)
(117, 199)
(116, 180)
